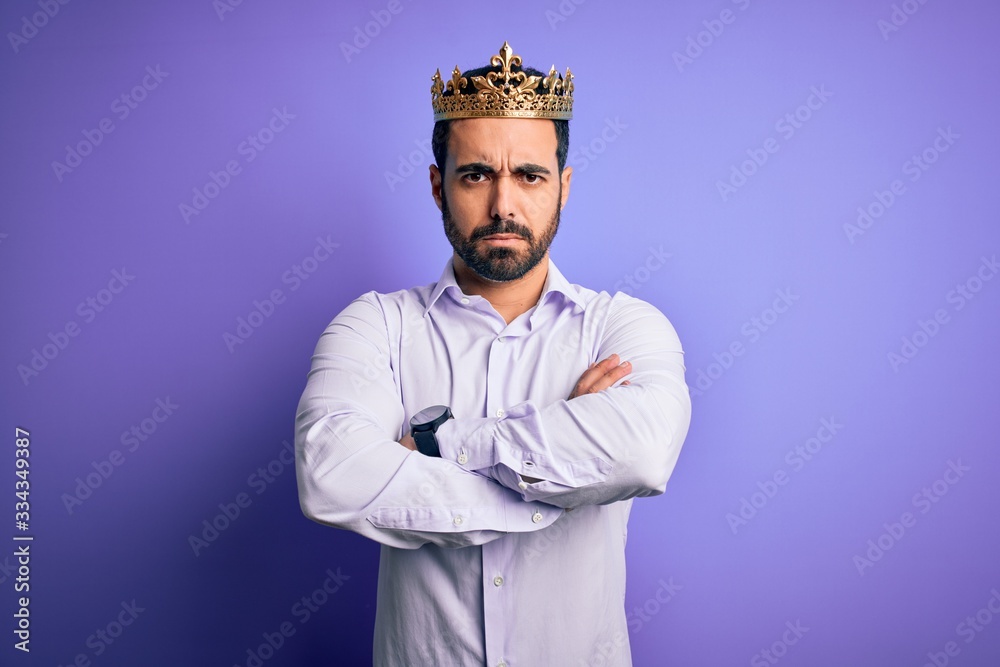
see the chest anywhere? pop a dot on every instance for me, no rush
(480, 365)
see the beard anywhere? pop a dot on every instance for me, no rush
(500, 264)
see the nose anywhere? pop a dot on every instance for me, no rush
(503, 199)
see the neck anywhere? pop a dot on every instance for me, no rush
(511, 298)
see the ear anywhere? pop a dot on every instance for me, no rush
(436, 185)
(567, 175)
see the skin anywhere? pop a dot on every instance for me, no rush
(502, 176)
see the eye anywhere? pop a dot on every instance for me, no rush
(532, 178)
(474, 175)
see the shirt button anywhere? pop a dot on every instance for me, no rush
(498, 581)
(522, 484)
(501, 664)
(501, 339)
(536, 517)
(458, 519)
(500, 412)
(463, 459)
(465, 300)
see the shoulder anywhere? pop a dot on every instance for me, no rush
(625, 315)
(400, 300)
(620, 315)
(618, 306)
(385, 313)
(627, 307)
(401, 305)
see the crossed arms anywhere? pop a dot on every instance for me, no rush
(601, 445)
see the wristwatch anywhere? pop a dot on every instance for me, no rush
(424, 425)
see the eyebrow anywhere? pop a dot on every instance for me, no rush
(483, 168)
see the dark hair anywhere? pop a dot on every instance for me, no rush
(439, 138)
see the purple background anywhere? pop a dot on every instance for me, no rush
(672, 132)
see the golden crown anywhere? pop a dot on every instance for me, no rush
(505, 93)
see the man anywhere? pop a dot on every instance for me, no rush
(481, 427)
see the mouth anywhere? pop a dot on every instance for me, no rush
(502, 239)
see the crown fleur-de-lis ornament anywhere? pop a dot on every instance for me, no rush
(509, 92)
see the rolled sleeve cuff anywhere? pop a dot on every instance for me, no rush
(476, 445)
(468, 442)
(513, 515)
(571, 474)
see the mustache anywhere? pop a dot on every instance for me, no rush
(501, 227)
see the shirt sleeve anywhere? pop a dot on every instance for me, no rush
(599, 448)
(353, 474)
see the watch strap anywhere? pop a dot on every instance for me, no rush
(427, 443)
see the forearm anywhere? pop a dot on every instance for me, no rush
(595, 448)
(398, 497)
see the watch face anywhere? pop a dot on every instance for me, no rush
(428, 414)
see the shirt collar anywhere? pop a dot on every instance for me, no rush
(555, 283)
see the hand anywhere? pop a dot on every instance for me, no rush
(601, 375)
(596, 378)
(408, 442)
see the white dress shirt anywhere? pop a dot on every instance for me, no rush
(477, 566)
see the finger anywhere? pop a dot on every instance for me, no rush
(613, 375)
(594, 371)
(604, 375)
(597, 369)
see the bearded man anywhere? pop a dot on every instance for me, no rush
(491, 429)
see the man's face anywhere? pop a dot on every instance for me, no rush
(501, 178)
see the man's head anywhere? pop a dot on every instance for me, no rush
(500, 175)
